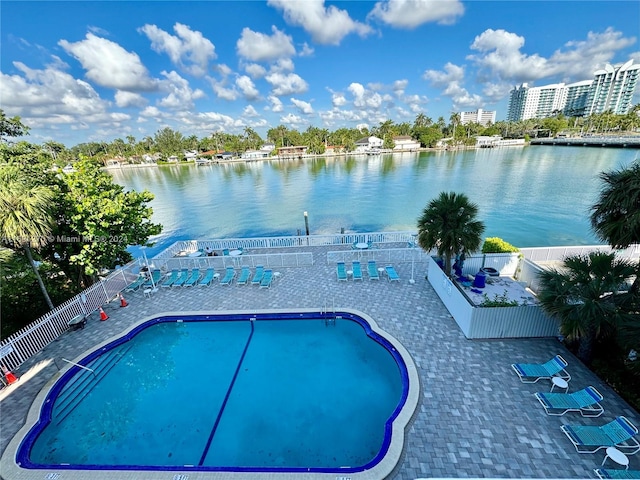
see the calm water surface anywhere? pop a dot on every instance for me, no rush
(531, 196)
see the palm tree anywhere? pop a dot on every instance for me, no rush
(448, 224)
(587, 296)
(615, 218)
(25, 220)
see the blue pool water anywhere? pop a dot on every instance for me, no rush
(286, 392)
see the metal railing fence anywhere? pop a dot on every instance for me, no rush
(187, 247)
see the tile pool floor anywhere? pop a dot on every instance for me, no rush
(474, 417)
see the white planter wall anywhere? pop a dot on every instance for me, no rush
(490, 322)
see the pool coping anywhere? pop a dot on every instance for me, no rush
(11, 470)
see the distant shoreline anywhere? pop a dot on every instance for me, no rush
(283, 158)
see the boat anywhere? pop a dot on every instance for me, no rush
(203, 161)
(374, 151)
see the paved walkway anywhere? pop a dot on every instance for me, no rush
(474, 419)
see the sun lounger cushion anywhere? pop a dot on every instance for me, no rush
(532, 372)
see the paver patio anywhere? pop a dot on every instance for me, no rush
(474, 419)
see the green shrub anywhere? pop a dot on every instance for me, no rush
(497, 245)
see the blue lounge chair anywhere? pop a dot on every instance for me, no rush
(228, 276)
(225, 252)
(266, 278)
(357, 270)
(155, 278)
(617, 433)
(208, 277)
(173, 276)
(532, 372)
(341, 271)
(586, 401)
(372, 270)
(136, 284)
(243, 278)
(607, 473)
(184, 275)
(392, 275)
(257, 277)
(193, 278)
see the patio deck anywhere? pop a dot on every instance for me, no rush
(474, 419)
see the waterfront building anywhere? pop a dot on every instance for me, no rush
(517, 100)
(483, 117)
(612, 88)
(405, 142)
(367, 143)
(576, 98)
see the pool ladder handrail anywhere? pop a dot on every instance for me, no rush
(329, 319)
(81, 366)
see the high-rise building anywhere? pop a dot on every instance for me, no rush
(577, 97)
(483, 117)
(517, 101)
(611, 89)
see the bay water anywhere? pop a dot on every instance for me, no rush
(529, 196)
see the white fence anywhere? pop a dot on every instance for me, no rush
(187, 247)
(25, 343)
(382, 255)
(556, 254)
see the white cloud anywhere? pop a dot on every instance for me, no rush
(260, 47)
(450, 80)
(110, 65)
(189, 50)
(501, 57)
(98, 31)
(293, 120)
(581, 59)
(255, 71)
(303, 107)
(338, 99)
(363, 98)
(223, 69)
(413, 13)
(152, 112)
(249, 111)
(327, 26)
(501, 61)
(181, 96)
(248, 89)
(282, 65)
(276, 104)
(306, 50)
(225, 93)
(286, 84)
(48, 93)
(399, 87)
(129, 99)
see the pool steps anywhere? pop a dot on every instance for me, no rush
(83, 382)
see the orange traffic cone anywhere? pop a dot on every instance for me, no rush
(103, 315)
(123, 302)
(11, 378)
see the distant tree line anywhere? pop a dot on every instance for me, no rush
(168, 142)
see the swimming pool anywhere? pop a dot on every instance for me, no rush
(237, 392)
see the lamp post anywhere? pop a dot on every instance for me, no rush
(306, 222)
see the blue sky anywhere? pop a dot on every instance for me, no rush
(95, 71)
